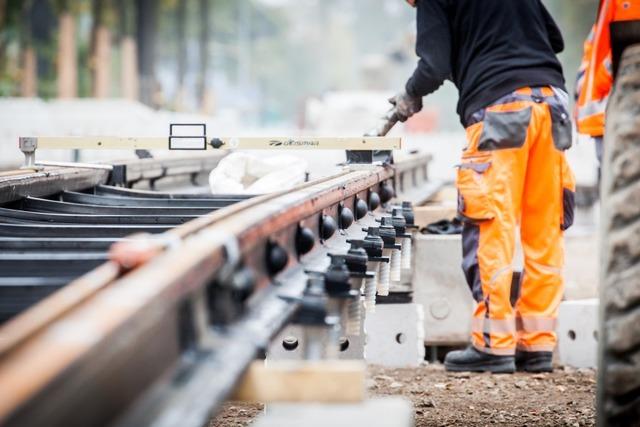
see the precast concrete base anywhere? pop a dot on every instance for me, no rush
(440, 287)
(578, 333)
(395, 335)
(381, 412)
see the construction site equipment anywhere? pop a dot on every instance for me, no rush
(164, 340)
(193, 137)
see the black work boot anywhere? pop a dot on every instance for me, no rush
(534, 361)
(472, 360)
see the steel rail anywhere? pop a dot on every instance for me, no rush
(35, 204)
(91, 199)
(54, 283)
(142, 309)
(26, 268)
(27, 244)
(53, 180)
(57, 230)
(109, 190)
(65, 264)
(124, 333)
(38, 317)
(26, 217)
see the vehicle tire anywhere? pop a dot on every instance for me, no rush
(618, 397)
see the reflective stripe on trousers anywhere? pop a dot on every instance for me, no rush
(514, 173)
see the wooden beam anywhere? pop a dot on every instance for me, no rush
(330, 381)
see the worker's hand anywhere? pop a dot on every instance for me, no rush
(406, 105)
(412, 2)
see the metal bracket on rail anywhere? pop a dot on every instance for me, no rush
(359, 157)
(28, 147)
(384, 157)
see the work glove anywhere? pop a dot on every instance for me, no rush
(406, 105)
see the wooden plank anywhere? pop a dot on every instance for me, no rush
(329, 381)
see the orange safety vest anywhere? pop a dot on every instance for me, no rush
(595, 77)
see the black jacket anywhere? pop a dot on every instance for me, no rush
(488, 48)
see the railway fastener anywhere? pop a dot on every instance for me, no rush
(377, 262)
(406, 210)
(356, 260)
(391, 250)
(399, 259)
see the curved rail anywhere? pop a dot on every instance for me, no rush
(82, 356)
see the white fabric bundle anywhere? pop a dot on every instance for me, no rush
(240, 173)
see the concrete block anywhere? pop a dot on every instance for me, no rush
(577, 333)
(395, 335)
(440, 287)
(380, 412)
(581, 269)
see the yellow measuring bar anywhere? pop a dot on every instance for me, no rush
(224, 143)
(193, 136)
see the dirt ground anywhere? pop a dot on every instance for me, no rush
(563, 398)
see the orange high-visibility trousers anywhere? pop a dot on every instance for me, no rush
(514, 173)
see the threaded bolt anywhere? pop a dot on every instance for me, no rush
(384, 278)
(370, 294)
(406, 253)
(354, 317)
(396, 270)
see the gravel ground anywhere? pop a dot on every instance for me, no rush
(563, 398)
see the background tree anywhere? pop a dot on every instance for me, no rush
(146, 26)
(100, 60)
(29, 68)
(129, 84)
(203, 90)
(67, 57)
(181, 54)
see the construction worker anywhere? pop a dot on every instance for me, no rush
(501, 55)
(595, 77)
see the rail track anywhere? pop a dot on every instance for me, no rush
(163, 339)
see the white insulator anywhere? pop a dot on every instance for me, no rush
(354, 317)
(384, 278)
(396, 270)
(406, 253)
(370, 294)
